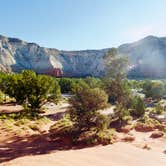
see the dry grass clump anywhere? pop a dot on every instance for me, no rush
(64, 128)
(18, 123)
(146, 124)
(95, 137)
(61, 127)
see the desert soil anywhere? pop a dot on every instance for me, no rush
(39, 150)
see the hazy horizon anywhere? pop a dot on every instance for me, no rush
(80, 25)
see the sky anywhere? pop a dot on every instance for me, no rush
(82, 24)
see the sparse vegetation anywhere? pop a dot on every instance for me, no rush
(84, 122)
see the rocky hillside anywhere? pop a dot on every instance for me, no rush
(147, 58)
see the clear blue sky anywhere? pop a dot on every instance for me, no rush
(82, 24)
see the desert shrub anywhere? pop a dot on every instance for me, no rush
(87, 137)
(123, 114)
(159, 109)
(127, 118)
(146, 119)
(118, 91)
(21, 122)
(93, 82)
(31, 90)
(34, 127)
(62, 127)
(42, 120)
(89, 126)
(102, 122)
(8, 124)
(2, 97)
(94, 137)
(146, 124)
(85, 105)
(155, 90)
(66, 84)
(14, 116)
(106, 136)
(137, 107)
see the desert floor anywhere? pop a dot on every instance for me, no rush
(40, 150)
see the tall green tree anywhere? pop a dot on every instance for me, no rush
(115, 82)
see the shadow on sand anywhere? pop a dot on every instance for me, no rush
(32, 145)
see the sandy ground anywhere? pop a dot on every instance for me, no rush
(40, 151)
(119, 154)
(9, 108)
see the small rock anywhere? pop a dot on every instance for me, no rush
(146, 146)
(156, 134)
(128, 138)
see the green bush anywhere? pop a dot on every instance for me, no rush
(31, 90)
(94, 137)
(93, 82)
(155, 90)
(137, 107)
(102, 122)
(159, 109)
(118, 91)
(66, 84)
(85, 105)
(123, 114)
(2, 97)
(106, 136)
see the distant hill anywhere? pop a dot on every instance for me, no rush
(147, 58)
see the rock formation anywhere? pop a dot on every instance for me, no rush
(147, 58)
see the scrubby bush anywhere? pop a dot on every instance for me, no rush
(152, 89)
(93, 82)
(123, 114)
(93, 137)
(146, 124)
(2, 97)
(159, 109)
(102, 122)
(62, 127)
(31, 90)
(137, 107)
(85, 105)
(106, 136)
(118, 91)
(67, 84)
